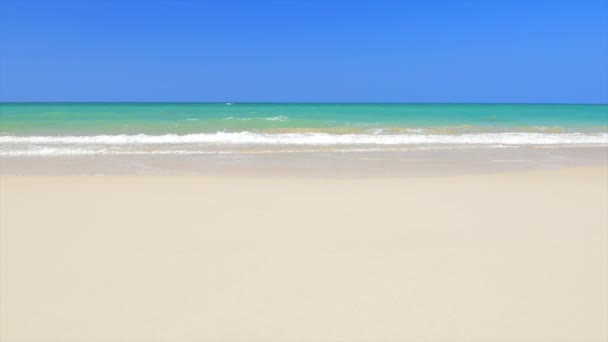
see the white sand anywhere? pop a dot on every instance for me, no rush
(501, 257)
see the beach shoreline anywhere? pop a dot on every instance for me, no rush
(246, 242)
(394, 164)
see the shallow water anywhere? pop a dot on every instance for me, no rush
(181, 128)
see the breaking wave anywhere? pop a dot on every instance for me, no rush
(250, 138)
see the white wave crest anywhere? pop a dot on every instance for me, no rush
(271, 118)
(277, 118)
(250, 138)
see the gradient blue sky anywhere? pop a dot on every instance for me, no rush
(349, 51)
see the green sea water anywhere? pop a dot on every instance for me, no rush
(120, 128)
(190, 118)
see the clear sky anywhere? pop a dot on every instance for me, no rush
(345, 51)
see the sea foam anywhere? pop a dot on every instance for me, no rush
(251, 138)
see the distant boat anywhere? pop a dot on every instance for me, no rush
(228, 104)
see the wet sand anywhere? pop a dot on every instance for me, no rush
(392, 164)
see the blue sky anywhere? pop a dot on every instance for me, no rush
(346, 51)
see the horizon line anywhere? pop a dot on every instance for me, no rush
(307, 102)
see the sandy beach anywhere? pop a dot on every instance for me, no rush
(511, 256)
(303, 171)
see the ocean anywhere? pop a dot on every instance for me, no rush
(192, 128)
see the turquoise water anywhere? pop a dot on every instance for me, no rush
(186, 118)
(115, 127)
